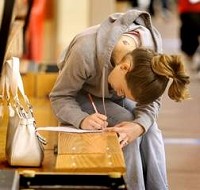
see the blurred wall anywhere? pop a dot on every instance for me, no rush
(71, 17)
(100, 9)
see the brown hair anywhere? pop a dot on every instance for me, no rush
(150, 75)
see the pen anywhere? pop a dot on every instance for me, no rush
(94, 106)
(92, 102)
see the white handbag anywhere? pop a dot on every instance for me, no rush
(24, 145)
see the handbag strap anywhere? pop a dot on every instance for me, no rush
(16, 82)
(5, 84)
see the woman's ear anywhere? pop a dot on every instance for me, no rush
(126, 64)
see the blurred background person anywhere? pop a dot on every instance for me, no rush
(152, 6)
(139, 4)
(134, 3)
(34, 33)
(164, 8)
(189, 12)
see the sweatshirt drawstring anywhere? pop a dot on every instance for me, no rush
(103, 90)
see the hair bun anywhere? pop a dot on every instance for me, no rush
(171, 66)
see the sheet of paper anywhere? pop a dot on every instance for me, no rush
(67, 129)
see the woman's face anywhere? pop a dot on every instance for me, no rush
(123, 64)
(117, 79)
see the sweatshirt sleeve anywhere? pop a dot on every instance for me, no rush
(71, 78)
(145, 115)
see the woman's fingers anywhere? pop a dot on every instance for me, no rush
(94, 125)
(100, 120)
(95, 121)
(100, 116)
(114, 129)
(122, 134)
(123, 139)
(124, 143)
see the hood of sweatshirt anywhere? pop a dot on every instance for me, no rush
(112, 28)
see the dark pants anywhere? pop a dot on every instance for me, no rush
(190, 32)
(134, 3)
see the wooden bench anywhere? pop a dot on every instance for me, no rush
(90, 153)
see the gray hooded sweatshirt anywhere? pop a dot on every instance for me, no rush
(85, 64)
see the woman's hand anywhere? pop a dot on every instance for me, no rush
(127, 131)
(94, 121)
